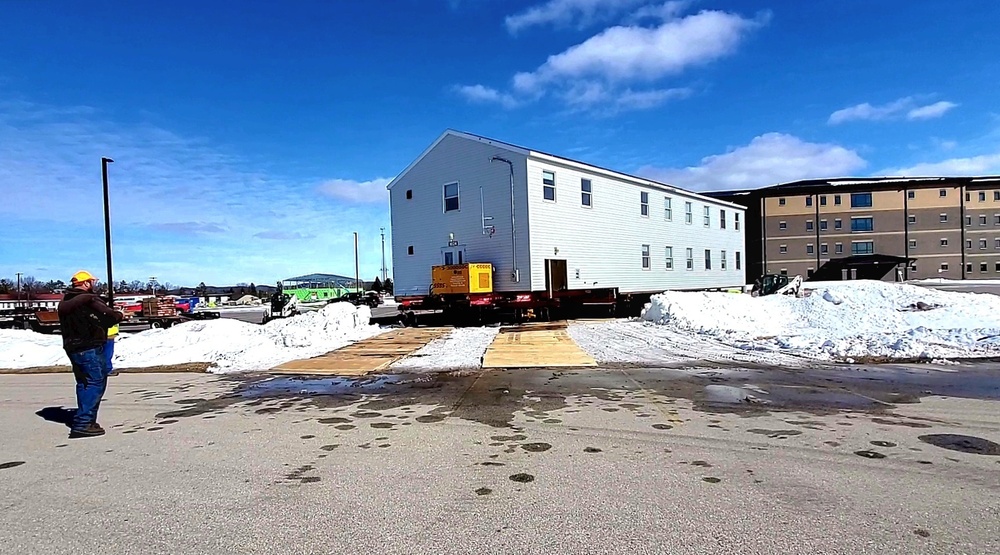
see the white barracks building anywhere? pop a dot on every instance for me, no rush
(547, 223)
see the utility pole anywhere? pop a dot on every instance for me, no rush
(107, 229)
(382, 229)
(357, 272)
(18, 289)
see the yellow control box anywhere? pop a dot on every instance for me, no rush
(462, 279)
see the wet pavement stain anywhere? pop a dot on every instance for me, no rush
(334, 420)
(154, 429)
(922, 533)
(430, 418)
(887, 422)
(832, 443)
(492, 463)
(775, 434)
(383, 425)
(166, 422)
(962, 443)
(130, 431)
(11, 464)
(591, 450)
(711, 479)
(924, 462)
(662, 426)
(882, 443)
(307, 436)
(702, 464)
(869, 454)
(345, 427)
(330, 447)
(522, 478)
(366, 414)
(299, 474)
(536, 447)
(517, 437)
(484, 491)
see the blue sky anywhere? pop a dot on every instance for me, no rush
(252, 138)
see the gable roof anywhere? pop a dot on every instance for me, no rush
(558, 160)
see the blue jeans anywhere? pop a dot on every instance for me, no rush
(109, 353)
(91, 382)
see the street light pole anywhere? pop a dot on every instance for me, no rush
(107, 229)
(18, 290)
(382, 229)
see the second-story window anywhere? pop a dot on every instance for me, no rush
(668, 209)
(549, 185)
(586, 192)
(451, 197)
(644, 204)
(722, 219)
(708, 216)
(861, 200)
(688, 212)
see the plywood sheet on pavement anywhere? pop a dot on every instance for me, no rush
(366, 356)
(544, 347)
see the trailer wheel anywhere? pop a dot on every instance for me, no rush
(155, 324)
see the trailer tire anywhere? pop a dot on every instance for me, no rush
(155, 324)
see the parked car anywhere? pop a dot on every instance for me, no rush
(369, 298)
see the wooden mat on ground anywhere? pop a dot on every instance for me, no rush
(365, 356)
(544, 346)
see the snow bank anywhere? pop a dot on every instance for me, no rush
(229, 345)
(842, 320)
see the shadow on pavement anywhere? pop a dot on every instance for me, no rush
(60, 415)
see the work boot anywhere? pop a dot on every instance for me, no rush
(91, 430)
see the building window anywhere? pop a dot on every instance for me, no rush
(809, 201)
(783, 271)
(838, 248)
(409, 194)
(944, 266)
(586, 193)
(944, 242)
(911, 220)
(783, 249)
(809, 225)
(824, 249)
(689, 253)
(943, 192)
(644, 204)
(862, 247)
(982, 220)
(736, 220)
(669, 254)
(996, 195)
(549, 185)
(707, 216)
(451, 197)
(862, 224)
(836, 200)
(968, 268)
(738, 261)
(781, 202)
(967, 199)
(708, 259)
(983, 267)
(409, 250)
(722, 261)
(782, 225)
(810, 249)
(996, 243)
(982, 244)
(810, 272)
(944, 218)
(913, 243)
(822, 225)
(668, 209)
(968, 221)
(982, 196)
(861, 200)
(996, 219)
(911, 194)
(688, 213)
(968, 243)
(645, 257)
(722, 219)
(837, 224)
(822, 200)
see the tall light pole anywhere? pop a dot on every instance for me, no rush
(18, 289)
(152, 283)
(107, 229)
(357, 272)
(382, 229)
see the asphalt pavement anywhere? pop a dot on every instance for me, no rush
(608, 460)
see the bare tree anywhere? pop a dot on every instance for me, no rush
(136, 286)
(29, 284)
(6, 285)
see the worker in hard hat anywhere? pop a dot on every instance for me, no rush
(84, 320)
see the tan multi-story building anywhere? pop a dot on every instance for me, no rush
(945, 226)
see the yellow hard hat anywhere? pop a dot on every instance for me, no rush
(82, 276)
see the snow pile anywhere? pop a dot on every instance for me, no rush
(229, 345)
(842, 321)
(462, 348)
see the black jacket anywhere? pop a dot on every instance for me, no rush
(84, 320)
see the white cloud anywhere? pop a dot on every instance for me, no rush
(279, 235)
(486, 95)
(610, 70)
(986, 164)
(908, 106)
(931, 111)
(372, 191)
(563, 13)
(768, 159)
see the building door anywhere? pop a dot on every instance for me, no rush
(453, 255)
(556, 278)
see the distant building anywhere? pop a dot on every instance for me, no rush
(948, 226)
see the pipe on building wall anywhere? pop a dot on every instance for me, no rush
(515, 274)
(906, 232)
(816, 204)
(961, 224)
